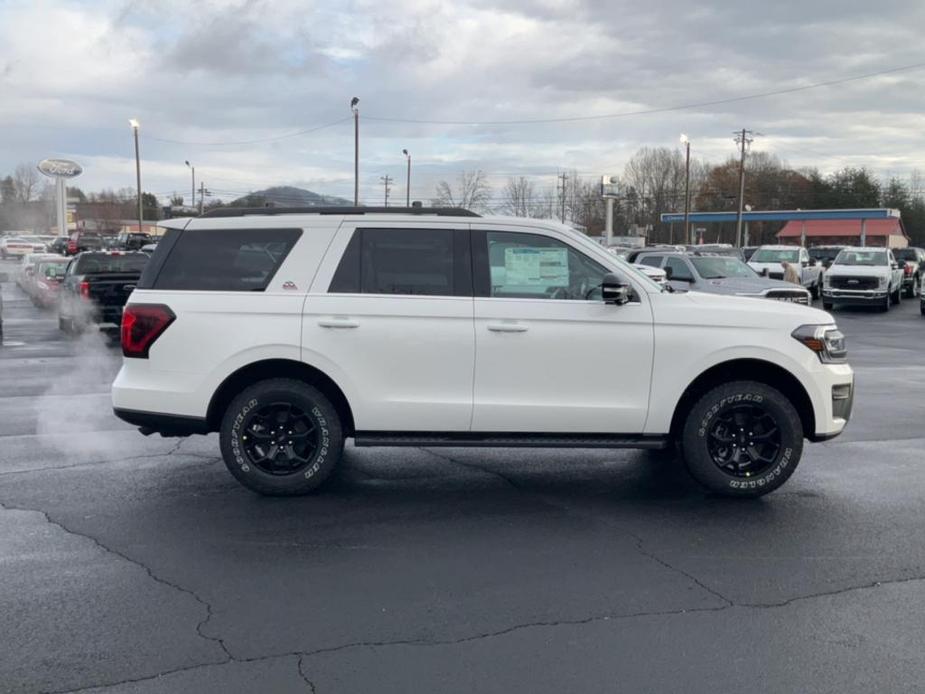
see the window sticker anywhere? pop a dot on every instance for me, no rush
(547, 267)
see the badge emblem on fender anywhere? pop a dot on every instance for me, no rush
(289, 285)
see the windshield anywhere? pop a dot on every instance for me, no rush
(776, 255)
(45, 264)
(718, 267)
(823, 253)
(103, 262)
(860, 256)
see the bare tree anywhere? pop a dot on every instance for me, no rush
(25, 182)
(472, 192)
(656, 175)
(519, 197)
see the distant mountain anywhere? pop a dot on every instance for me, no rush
(288, 196)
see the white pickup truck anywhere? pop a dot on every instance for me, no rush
(863, 276)
(768, 259)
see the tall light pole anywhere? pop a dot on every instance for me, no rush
(356, 151)
(193, 169)
(687, 188)
(408, 184)
(135, 125)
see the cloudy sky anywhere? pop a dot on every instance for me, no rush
(243, 88)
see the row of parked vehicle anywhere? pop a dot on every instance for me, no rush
(90, 288)
(839, 275)
(19, 245)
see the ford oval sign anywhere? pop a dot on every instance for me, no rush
(60, 168)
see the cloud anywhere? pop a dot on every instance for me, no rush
(72, 72)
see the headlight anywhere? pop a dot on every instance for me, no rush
(826, 280)
(884, 282)
(826, 341)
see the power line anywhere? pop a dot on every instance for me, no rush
(274, 138)
(664, 109)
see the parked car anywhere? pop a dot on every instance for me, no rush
(17, 246)
(289, 331)
(717, 249)
(26, 270)
(824, 255)
(96, 287)
(59, 245)
(148, 248)
(132, 240)
(81, 241)
(46, 283)
(863, 276)
(912, 262)
(769, 258)
(717, 274)
(655, 274)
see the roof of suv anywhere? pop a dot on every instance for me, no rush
(427, 211)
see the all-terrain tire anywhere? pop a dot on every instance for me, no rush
(702, 436)
(243, 425)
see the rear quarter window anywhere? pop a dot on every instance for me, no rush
(230, 260)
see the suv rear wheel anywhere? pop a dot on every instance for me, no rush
(281, 437)
(742, 439)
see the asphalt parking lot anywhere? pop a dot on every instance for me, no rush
(138, 564)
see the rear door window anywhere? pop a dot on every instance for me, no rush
(426, 262)
(229, 260)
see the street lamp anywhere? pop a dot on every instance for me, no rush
(687, 188)
(193, 169)
(356, 151)
(408, 185)
(135, 125)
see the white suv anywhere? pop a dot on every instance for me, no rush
(287, 331)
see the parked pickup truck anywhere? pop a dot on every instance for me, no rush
(95, 288)
(767, 260)
(863, 276)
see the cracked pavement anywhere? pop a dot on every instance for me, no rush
(133, 564)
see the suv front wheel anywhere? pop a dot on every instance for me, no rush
(281, 437)
(742, 439)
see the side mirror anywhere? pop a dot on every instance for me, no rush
(812, 262)
(614, 290)
(894, 266)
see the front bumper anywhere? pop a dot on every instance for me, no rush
(833, 400)
(860, 297)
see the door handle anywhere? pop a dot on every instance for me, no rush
(338, 323)
(507, 327)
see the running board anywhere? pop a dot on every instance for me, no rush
(507, 440)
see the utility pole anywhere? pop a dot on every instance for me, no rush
(563, 178)
(356, 151)
(408, 183)
(135, 126)
(687, 190)
(743, 138)
(387, 184)
(193, 169)
(202, 194)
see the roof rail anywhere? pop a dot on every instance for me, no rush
(424, 211)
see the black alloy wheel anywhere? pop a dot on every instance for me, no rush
(280, 438)
(744, 440)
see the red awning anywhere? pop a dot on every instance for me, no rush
(834, 227)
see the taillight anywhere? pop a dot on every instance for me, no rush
(908, 269)
(85, 289)
(72, 247)
(142, 324)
